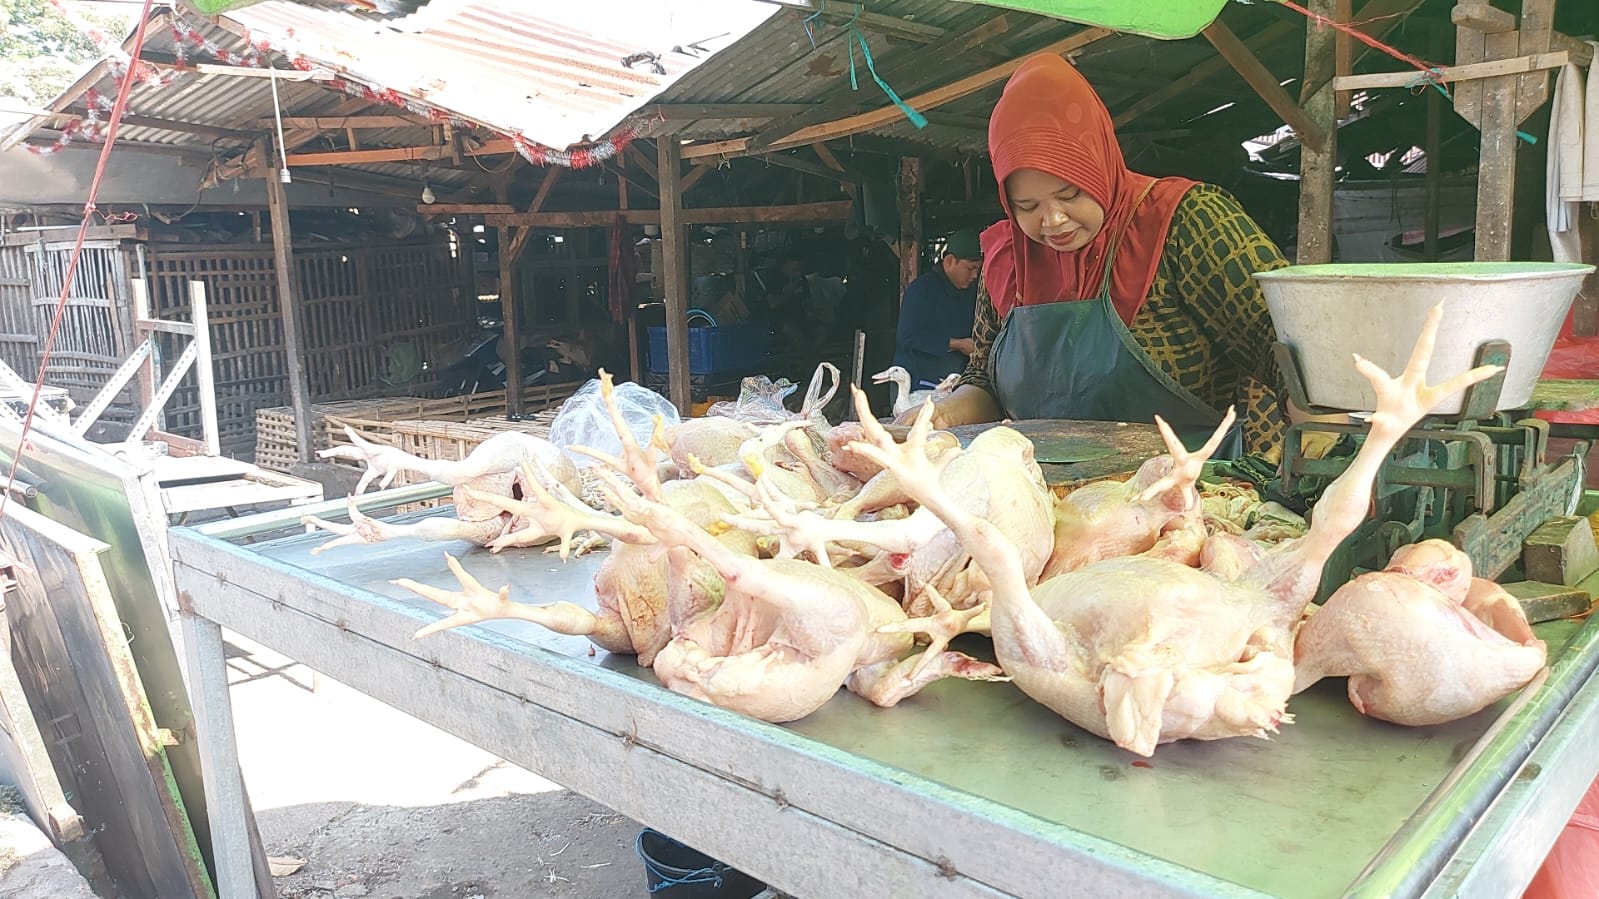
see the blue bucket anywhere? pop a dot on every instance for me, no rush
(678, 872)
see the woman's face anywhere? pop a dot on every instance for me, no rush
(1052, 212)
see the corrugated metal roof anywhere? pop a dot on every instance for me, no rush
(777, 63)
(544, 73)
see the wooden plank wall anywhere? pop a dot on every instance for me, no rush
(361, 300)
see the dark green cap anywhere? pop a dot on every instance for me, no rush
(963, 244)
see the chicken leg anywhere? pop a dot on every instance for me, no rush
(365, 530)
(474, 603)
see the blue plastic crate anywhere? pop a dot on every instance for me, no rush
(729, 348)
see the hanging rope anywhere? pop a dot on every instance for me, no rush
(854, 36)
(1321, 21)
(129, 77)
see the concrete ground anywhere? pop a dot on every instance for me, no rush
(378, 804)
(30, 867)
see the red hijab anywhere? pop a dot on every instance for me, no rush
(1050, 119)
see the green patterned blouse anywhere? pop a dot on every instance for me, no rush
(1205, 322)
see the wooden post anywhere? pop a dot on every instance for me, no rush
(205, 377)
(289, 309)
(512, 338)
(910, 223)
(1586, 322)
(674, 277)
(227, 806)
(1496, 169)
(1435, 173)
(1317, 164)
(1343, 58)
(1497, 105)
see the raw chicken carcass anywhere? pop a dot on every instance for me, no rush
(1422, 642)
(788, 634)
(493, 467)
(1143, 650)
(637, 605)
(713, 440)
(1108, 519)
(995, 478)
(636, 608)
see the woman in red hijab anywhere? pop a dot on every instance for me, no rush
(1109, 295)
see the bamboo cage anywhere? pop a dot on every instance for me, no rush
(359, 301)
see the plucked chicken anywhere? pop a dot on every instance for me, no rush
(494, 467)
(787, 634)
(637, 607)
(1143, 650)
(1422, 641)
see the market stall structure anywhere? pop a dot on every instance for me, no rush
(319, 613)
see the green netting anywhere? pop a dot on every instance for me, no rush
(213, 7)
(1169, 19)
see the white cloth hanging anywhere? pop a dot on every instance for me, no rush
(1573, 137)
(1590, 141)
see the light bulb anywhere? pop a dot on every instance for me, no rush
(283, 175)
(427, 194)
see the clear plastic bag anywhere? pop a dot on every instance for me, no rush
(584, 420)
(760, 400)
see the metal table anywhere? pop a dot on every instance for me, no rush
(968, 789)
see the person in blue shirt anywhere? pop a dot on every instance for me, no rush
(935, 318)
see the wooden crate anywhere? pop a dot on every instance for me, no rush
(449, 440)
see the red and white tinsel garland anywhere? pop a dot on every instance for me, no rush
(187, 40)
(92, 124)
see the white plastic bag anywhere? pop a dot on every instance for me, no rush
(584, 420)
(760, 402)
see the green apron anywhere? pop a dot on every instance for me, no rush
(1078, 361)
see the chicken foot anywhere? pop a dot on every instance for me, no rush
(365, 530)
(1292, 571)
(556, 513)
(474, 603)
(1040, 641)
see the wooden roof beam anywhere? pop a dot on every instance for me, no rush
(799, 213)
(688, 112)
(546, 184)
(1199, 73)
(369, 157)
(885, 115)
(343, 122)
(141, 121)
(1263, 81)
(871, 21)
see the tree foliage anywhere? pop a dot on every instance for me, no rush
(34, 28)
(42, 50)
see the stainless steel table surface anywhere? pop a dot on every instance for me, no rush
(1335, 804)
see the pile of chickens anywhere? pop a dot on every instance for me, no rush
(761, 569)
